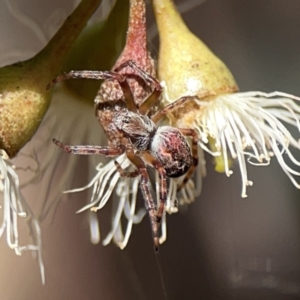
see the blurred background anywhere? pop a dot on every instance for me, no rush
(219, 247)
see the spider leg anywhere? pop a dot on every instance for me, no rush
(163, 185)
(150, 101)
(161, 113)
(192, 133)
(90, 150)
(143, 75)
(97, 75)
(100, 75)
(145, 187)
(124, 173)
(181, 101)
(148, 79)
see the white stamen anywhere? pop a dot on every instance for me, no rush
(251, 125)
(14, 208)
(104, 183)
(94, 228)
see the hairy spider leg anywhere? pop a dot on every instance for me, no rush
(194, 135)
(123, 173)
(149, 80)
(163, 184)
(100, 75)
(90, 149)
(162, 177)
(145, 187)
(164, 111)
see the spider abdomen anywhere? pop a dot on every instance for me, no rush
(171, 149)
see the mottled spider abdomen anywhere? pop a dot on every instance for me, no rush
(170, 147)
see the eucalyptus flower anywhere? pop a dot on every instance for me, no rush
(243, 126)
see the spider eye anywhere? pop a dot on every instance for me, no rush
(172, 150)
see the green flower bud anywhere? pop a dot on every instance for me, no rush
(186, 64)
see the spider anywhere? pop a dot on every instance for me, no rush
(131, 129)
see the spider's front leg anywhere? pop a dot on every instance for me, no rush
(142, 74)
(86, 74)
(90, 149)
(99, 75)
(149, 80)
(174, 105)
(145, 187)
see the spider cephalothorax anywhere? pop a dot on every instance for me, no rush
(132, 129)
(139, 129)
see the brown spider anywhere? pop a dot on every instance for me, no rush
(131, 130)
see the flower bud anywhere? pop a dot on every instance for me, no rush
(186, 65)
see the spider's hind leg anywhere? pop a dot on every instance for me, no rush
(124, 173)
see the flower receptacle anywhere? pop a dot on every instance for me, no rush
(186, 64)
